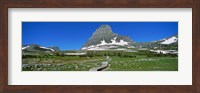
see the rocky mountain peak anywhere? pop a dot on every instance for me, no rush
(103, 36)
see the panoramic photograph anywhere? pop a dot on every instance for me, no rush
(99, 46)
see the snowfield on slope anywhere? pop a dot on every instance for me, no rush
(25, 47)
(170, 40)
(103, 43)
(47, 48)
(40, 47)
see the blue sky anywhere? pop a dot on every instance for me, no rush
(73, 35)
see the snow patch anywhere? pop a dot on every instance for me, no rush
(91, 46)
(75, 53)
(165, 51)
(131, 47)
(114, 40)
(121, 49)
(97, 48)
(122, 42)
(25, 47)
(170, 40)
(83, 48)
(47, 48)
(103, 42)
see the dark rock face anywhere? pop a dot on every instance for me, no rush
(104, 33)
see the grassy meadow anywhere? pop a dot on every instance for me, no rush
(144, 64)
(120, 61)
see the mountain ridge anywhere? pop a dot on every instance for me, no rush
(103, 39)
(35, 47)
(169, 41)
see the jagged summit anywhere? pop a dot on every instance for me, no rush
(104, 28)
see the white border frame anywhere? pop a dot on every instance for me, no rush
(181, 77)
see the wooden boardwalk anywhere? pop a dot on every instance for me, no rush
(104, 65)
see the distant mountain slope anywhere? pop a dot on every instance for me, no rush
(171, 41)
(34, 47)
(103, 38)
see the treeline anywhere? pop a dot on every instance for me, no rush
(110, 53)
(102, 53)
(162, 55)
(38, 56)
(127, 54)
(43, 55)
